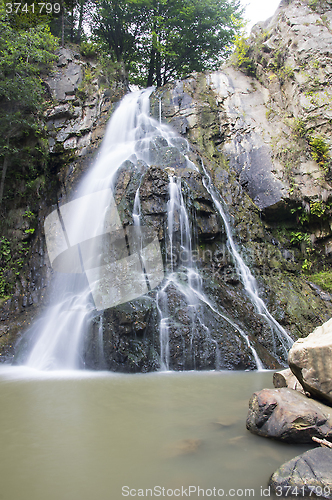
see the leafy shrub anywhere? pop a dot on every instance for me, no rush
(319, 151)
(298, 236)
(242, 55)
(323, 279)
(89, 49)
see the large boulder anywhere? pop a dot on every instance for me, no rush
(310, 359)
(308, 475)
(286, 378)
(287, 415)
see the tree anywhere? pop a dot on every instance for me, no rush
(118, 25)
(160, 40)
(67, 24)
(25, 54)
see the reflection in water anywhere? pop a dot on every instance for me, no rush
(84, 436)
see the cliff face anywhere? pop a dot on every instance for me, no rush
(263, 124)
(262, 127)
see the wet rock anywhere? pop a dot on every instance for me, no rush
(307, 475)
(154, 183)
(128, 341)
(208, 226)
(310, 361)
(287, 415)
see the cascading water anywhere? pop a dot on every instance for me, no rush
(57, 338)
(90, 223)
(247, 278)
(183, 277)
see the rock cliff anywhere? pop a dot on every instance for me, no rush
(263, 126)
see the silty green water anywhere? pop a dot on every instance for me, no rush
(85, 436)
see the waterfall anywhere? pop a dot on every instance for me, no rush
(78, 231)
(137, 210)
(101, 264)
(183, 277)
(100, 345)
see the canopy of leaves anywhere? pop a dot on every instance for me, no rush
(25, 54)
(160, 40)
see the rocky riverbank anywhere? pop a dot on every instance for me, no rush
(298, 410)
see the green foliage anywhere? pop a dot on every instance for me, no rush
(28, 214)
(111, 70)
(27, 14)
(280, 70)
(285, 73)
(319, 151)
(242, 55)
(25, 55)
(5, 250)
(322, 279)
(160, 40)
(313, 4)
(306, 266)
(11, 263)
(302, 214)
(317, 209)
(299, 237)
(89, 49)
(299, 128)
(84, 90)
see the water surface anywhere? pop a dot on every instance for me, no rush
(84, 436)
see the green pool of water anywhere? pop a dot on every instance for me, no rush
(101, 436)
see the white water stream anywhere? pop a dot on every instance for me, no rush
(247, 278)
(57, 338)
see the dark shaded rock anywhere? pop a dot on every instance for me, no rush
(308, 475)
(287, 415)
(65, 82)
(208, 226)
(254, 167)
(154, 197)
(154, 183)
(123, 338)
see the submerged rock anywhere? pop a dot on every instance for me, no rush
(308, 475)
(310, 360)
(287, 415)
(184, 447)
